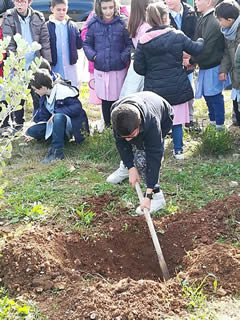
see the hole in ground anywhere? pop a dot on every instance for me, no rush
(121, 246)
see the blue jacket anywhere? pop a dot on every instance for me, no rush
(109, 43)
(74, 41)
(189, 20)
(66, 102)
(159, 57)
(156, 121)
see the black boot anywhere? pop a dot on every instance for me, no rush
(53, 154)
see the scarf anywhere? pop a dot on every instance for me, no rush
(230, 33)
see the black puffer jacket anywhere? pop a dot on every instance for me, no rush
(159, 57)
(5, 5)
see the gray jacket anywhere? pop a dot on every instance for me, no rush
(11, 26)
(5, 5)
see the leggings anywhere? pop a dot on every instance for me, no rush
(106, 107)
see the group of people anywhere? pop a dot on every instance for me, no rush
(142, 64)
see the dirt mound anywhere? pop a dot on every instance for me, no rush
(126, 299)
(216, 261)
(113, 272)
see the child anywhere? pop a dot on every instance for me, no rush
(65, 40)
(227, 13)
(208, 84)
(4, 122)
(183, 17)
(108, 45)
(159, 57)
(31, 25)
(60, 114)
(93, 98)
(133, 82)
(142, 120)
(1, 37)
(137, 26)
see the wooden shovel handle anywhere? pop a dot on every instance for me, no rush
(158, 249)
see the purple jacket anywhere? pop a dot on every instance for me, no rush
(109, 43)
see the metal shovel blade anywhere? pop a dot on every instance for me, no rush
(158, 249)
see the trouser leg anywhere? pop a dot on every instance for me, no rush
(106, 106)
(177, 135)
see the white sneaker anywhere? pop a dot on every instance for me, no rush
(158, 202)
(119, 175)
(179, 155)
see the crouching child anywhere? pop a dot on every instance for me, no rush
(140, 122)
(60, 114)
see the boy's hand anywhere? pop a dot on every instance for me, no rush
(133, 176)
(146, 203)
(222, 76)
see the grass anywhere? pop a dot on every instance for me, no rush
(187, 184)
(11, 309)
(36, 193)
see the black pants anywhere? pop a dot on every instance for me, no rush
(18, 116)
(106, 106)
(237, 113)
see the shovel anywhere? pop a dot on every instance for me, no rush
(148, 218)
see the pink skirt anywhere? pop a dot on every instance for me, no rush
(93, 98)
(108, 85)
(181, 113)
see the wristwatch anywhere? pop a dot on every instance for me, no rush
(148, 195)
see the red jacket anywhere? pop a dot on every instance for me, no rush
(1, 62)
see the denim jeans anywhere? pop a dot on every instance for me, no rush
(177, 135)
(58, 135)
(216, 109)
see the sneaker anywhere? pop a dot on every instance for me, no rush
(178, 155)
(220, 127)
(119, 175)
(158, 202)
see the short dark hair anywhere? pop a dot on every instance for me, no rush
(42, 78)
(44, 64)
(227, 9)
(55, 2)
(125, 119)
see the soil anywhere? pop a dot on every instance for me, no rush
(111, 271)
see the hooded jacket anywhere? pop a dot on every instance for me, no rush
(108, 43)
(11, 26)
(159, 58)
(74, 40)
(156, 121)
(67, 102)
(230, 60)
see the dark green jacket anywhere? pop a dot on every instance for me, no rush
(208, 28)
(228, 63)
